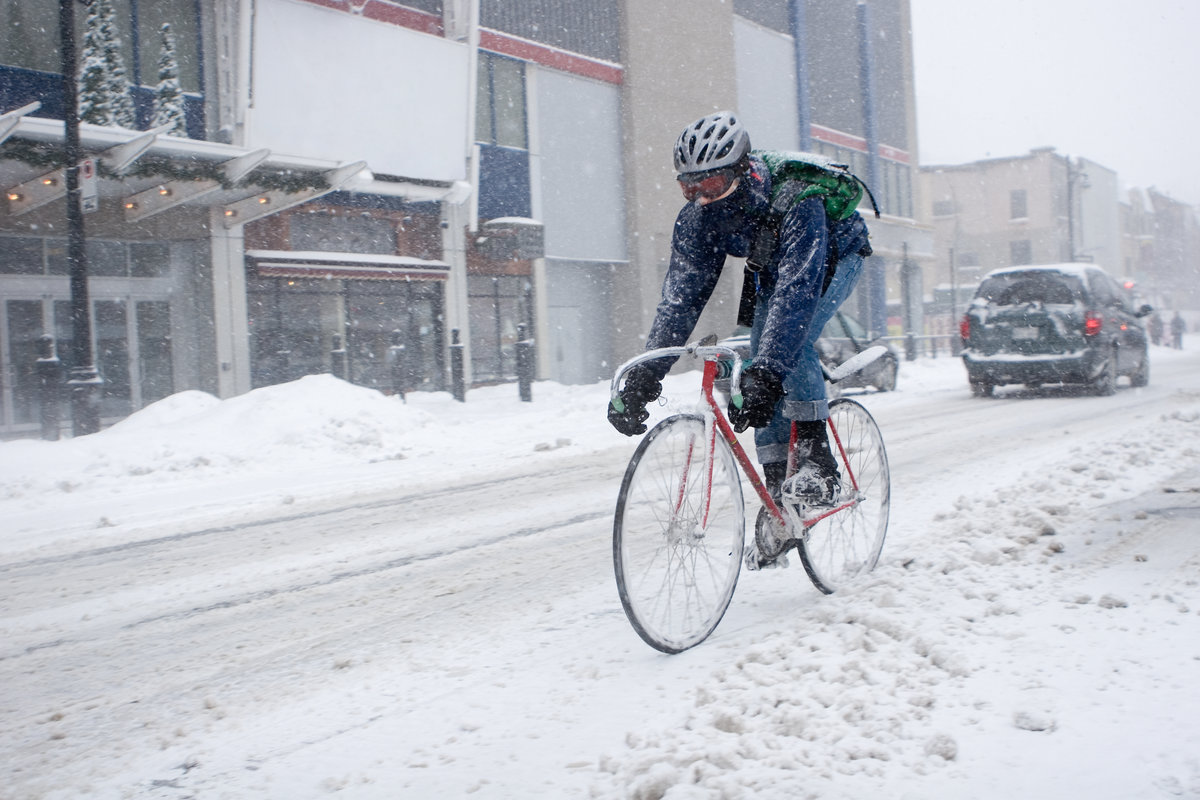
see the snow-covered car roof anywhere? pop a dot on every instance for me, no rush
(1077, 269)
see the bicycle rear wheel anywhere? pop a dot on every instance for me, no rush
(677, 548)
(847, 543)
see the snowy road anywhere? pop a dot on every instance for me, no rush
(464, 636)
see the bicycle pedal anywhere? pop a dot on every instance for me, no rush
(754, 565)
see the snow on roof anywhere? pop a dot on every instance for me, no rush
(1078, 269)
(343, 258)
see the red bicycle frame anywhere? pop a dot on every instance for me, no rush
(722, 424)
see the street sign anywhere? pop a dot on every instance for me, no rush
(89, 186)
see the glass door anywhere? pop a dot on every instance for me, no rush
(110, 324)
(23, 326)
(156, 378)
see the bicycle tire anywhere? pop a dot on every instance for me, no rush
(676, 569)
(847, 544)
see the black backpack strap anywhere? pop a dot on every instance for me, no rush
(762, 249)
(756, 277)
(867, 189)
(745, 315)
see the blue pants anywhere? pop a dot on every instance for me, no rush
(805, 385)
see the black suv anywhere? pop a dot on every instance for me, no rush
(1061, 323)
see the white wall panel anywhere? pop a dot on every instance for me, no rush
(766, 86)
(579, 162)
(332, 85)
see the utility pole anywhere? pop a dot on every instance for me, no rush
(83, 381)
(798, 22)
(874, 267)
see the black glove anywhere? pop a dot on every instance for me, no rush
(761, 392)
(641, 387)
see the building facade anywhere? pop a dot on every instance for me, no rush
(827, 76)
(470, 172)
(1044, 207)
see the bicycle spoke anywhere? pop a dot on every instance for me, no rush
(848, 542)
(675, 574)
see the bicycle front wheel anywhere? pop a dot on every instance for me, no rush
(678, 534)
(848, 543)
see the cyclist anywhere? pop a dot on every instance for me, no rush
(811, 271)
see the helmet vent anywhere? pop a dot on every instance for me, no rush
(712, 142)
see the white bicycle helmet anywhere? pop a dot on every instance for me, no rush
(711, 142)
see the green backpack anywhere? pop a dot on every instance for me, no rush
(796, 176)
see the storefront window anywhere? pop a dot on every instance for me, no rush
(156, 378)
(112, 357)
(148, 259)
(293, 323)
(20, 256)
(24, 328)
(498, 306)
(106, 259)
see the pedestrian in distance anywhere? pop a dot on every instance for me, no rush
(1178, 326)
(1156, 329)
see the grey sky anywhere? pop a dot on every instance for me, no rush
(1110, 80)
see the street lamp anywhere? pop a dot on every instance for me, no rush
(83, 381)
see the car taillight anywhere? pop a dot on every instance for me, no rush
(1092, 323)
(964, 327)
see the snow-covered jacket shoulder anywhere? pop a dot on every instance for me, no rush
(704, 235)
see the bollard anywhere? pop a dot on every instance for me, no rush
(49, 383)
(283, 366)
(397, 366)
(910, 347)
(458, 388)
(524, 365)
(337, 358)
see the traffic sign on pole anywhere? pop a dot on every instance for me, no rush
(89, 186)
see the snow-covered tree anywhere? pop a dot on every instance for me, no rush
(168, 94)
(104, 97)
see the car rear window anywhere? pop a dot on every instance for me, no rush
(1017, 288)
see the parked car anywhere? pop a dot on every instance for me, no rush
(1058, 323)
(842, 338)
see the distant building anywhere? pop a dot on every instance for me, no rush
(1038, 208)
(1170, 268)
(1044, 207)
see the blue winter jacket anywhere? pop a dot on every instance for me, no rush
(705, 235)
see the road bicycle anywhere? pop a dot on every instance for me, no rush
(679, 530)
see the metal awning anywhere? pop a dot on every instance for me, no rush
(28, 187)
(312, 264)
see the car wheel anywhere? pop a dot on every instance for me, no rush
(1141, 376)
(886, 381)
(1105, 383)
(982, 388)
